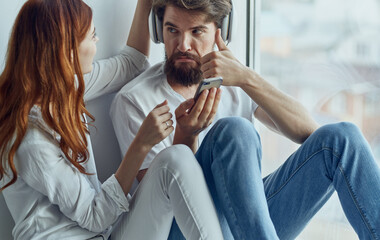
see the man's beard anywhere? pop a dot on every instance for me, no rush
(185, 74)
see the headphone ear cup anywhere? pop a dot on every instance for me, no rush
(226, 27)
(155, 28)
(223, 28)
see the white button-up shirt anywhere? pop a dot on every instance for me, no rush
(51, 199)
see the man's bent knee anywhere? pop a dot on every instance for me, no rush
(341, 131)
(237, 128)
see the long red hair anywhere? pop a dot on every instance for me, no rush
(41, 64)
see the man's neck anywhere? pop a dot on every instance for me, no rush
(186, 92)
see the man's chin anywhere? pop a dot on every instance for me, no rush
(185, 60)
(184, 73)
(185, 64)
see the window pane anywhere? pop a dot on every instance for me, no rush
(325, 53)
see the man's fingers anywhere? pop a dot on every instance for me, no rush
(219, 40)
(198, 107)
(207, 108)
(215, 106)
(209, 70)
(214, 54)
(208, 57)
(183, 107)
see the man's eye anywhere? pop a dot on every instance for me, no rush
(197, 31)
(172, 30)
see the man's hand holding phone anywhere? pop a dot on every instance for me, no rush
(207, 84)
(191, 122)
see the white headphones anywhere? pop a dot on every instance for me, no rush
(155, 27)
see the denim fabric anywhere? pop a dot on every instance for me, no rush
(335, 157)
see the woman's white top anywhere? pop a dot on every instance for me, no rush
(51, 199)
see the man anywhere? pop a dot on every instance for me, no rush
(332, 157)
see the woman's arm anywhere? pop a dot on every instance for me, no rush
(43, 167)
(109, 75)
(139, 37)
(152, 131)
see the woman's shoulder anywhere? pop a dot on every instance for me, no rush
(39, 137)
(37, 152)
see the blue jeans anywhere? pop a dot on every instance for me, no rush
(335, 157)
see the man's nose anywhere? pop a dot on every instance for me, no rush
(184, 44)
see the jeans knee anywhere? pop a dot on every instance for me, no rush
(345, 139)
(237, 130)
(236, 127)
(343, 131)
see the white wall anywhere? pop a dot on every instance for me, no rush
(112, 20)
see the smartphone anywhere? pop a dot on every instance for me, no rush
(207, 84)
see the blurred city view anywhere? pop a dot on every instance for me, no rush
(326, 54)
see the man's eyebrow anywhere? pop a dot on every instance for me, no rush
(170, 24)
(200, 27)
(196, 27)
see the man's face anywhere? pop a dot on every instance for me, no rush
(187, 38)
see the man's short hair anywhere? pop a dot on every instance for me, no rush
(215, 10)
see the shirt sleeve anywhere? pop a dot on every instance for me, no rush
(41, 165)
(109, 75)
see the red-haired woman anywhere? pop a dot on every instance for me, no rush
(47, 172)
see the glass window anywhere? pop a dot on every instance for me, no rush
(325, 53)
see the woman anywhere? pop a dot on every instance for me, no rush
(47, 172)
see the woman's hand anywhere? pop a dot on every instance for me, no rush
(156, 127)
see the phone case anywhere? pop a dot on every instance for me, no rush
(207, 84)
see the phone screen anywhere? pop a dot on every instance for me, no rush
(207, 84)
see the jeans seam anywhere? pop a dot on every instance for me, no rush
(297, 169)
(228, 197)
(353, 196)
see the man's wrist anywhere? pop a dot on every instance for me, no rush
(251, 79)
(182, 138)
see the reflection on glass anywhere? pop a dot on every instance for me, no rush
(325, 53)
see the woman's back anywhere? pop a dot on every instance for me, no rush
(39, 157)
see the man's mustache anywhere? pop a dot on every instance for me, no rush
(194, 57)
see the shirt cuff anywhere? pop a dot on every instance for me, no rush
(112, 187)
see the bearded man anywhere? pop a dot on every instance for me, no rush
(330, 158)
